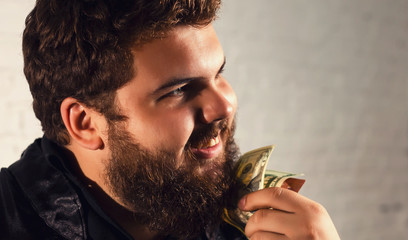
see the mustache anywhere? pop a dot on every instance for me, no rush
(203, 134)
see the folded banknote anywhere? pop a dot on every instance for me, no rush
(252, 175)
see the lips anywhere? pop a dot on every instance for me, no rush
(206, 142)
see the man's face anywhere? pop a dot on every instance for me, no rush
(171, 160)
(178, 90)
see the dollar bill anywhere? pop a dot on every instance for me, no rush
(252, 175)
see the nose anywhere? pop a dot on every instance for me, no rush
(217, 103)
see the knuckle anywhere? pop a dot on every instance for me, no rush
(312, 229)
(307, 231)
(311, 232)
(276, 192)
(317, 209)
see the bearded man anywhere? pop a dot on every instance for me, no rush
(138, 128)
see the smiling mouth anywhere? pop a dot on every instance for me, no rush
(208, 149)
(208, 144)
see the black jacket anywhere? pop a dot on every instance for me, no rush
(41, 199)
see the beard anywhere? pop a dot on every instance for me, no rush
(172, 200)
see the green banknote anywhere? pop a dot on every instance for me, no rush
(252, 175)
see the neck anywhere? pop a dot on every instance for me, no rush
(124, 217)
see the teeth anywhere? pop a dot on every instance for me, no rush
(213, 142)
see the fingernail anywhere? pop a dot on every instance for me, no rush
(242, 203)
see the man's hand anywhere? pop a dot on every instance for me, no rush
(285, 214)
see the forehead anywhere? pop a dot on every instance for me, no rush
(185, 51)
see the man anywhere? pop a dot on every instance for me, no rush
(138, 131)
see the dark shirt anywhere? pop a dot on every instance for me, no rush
(41, 198)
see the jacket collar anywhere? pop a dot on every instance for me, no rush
(39, 175)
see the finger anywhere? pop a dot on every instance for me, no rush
(267, 236)
(311, 223)
(274, 197)
(268, 220)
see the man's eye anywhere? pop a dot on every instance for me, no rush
(177, 92)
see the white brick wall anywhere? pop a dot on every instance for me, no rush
(324, 80)
(327, 81)
(18, 125)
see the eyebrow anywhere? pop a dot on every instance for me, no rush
(180, 81)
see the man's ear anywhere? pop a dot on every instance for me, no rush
(82, 124)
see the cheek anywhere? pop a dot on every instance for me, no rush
(169, 131)
(180, 127)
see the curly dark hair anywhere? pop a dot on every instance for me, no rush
(82, 49)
